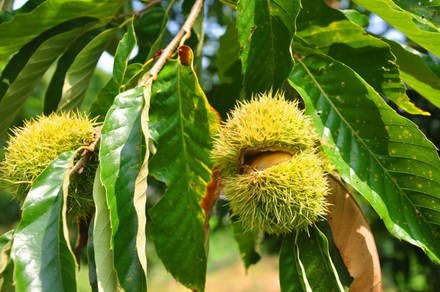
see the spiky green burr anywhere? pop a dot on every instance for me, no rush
(34, 146)
(270, 167)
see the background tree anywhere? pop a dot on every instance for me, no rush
(161, 108)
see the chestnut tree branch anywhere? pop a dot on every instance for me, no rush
(78, 168)
(136, 14)
(185, 31)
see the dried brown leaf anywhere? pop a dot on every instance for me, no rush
(353, 238)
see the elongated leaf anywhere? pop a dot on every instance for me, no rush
(356, 17)
(31, 74)
(125, 47)
(121, 159)
(426, 11)
(416, 73)
(41, 251)
(55, 88)
(305, 264)
(248, 244)
(329, 31)
(25, 27)
(140, 194)
(182, 123)
(291, 269)
(21, 58)
(102, 236)
(383, 155)
(265, 30)
(353, 238)
(405, 22)
(5, 250)
(80, 73)
(93, 277)
(229, 72)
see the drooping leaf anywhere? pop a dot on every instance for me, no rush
(93, 277)
(229, 72)
(383, 155)
(80, 73)
(328, 30)
(55, 88)
(32, 73)
(107, 279)
(140, 193)
(406, 22)
(248, 244)
(182, 123)
(121, 158)
(105, 97)
(41, 251)
(265, 31)
(291, 269)
(24, 27)
(305, 264)
(21, 58)
(125, 47)
(416, 73)
(353, 238)
(5, 258)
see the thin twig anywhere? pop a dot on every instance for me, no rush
(136, 14)
(168, 51)
(78, 168)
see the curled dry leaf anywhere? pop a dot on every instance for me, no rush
(353, 238)
(213, 190)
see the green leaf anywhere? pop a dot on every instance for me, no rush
(426, 11)
(41, 251)
(229, 72)
(121, 159)
(329, 31)
(149, 28)
(416, 73)
(140, 194)
(182, 124)
(125, 47)
(6, 5)
(105, 97)
(306, 265)
(405, 22)
(24, 27)
(292, 277)
(383, 155)
(55, 88)
(80, 73)
(356, 17)
(32, 73)
(248, 244)
(265, 30)
(93, 278)
(107, 279)
(6, 265)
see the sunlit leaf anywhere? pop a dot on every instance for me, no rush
(406, 22)
(41, 252)
(383, 155)
(121, 158)
(182, 124)
(24, 27)
(31, 74)
(125, 47)
(265, 30)
(140, 194)
(107, 279)
(80, 73)
(356, 17)
(55, 88)
(416, 73)
(329, 31)
(353, 238)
